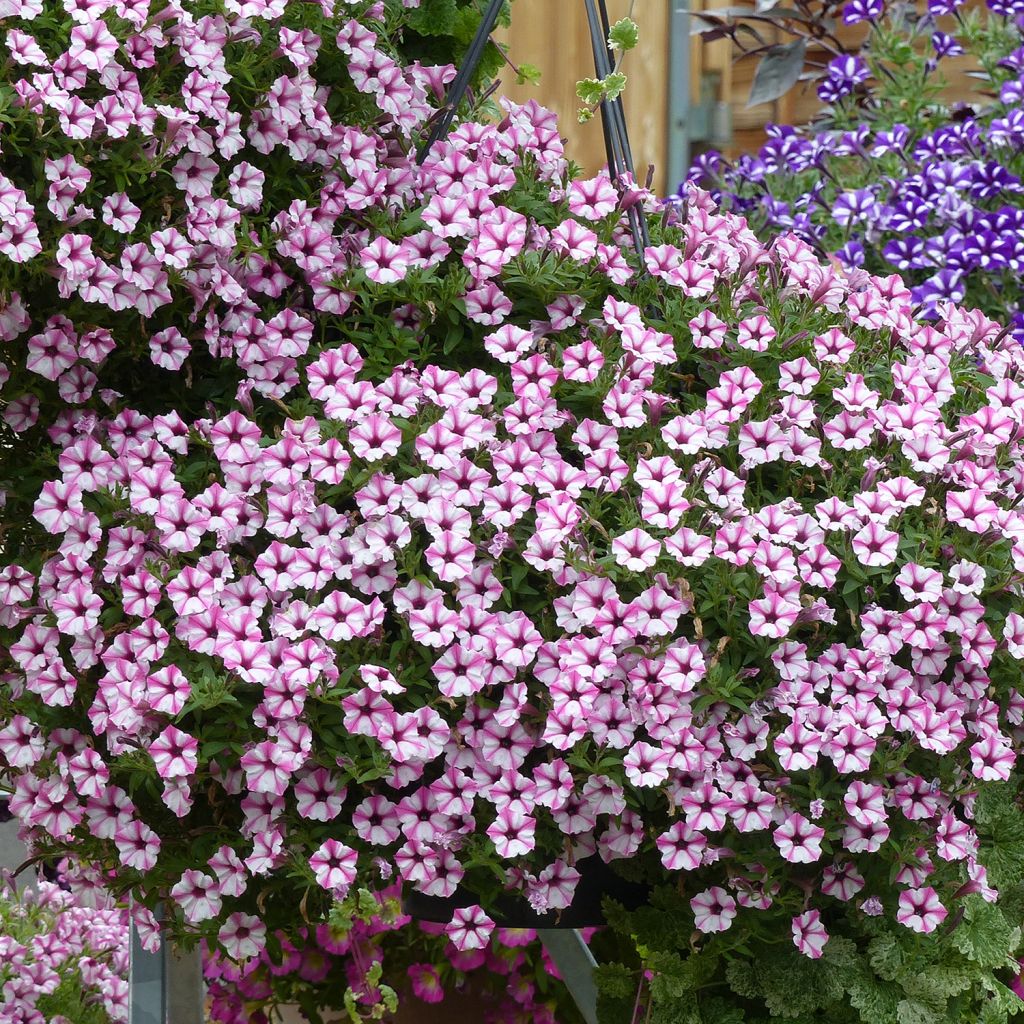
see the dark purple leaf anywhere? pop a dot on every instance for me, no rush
(778, 72)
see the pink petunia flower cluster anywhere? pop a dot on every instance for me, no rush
(59, 956)
(708, 556)
(133, 181)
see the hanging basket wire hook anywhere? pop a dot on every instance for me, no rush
(613, 118)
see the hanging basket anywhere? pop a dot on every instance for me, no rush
(597, 880)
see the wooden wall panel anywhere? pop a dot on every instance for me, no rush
(554, 36)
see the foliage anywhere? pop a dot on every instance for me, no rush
(337, 967)
(790, 41)
(871, 972)
(622, 37)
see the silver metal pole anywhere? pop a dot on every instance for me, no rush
(576, 964)
(186, 994)
(147, 989)
(679, 99)
(165, 987)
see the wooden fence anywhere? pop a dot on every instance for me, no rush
(553, 35)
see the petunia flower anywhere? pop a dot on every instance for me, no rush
(798, 840)
(334, 866)
(175, 754)
(242, 936)
(714, 910)
(920, 910)
(470, 928)
(809, 935)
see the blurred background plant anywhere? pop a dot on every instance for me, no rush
(61, 962)
(370, 962)
(890, 177)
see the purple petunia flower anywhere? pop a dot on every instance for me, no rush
(891, 141)
(859, 206)
(844, 74)
(863, 10)
(936, 8)
(945, 286)
(851, 255)
(904, 253)
(945, 45)
(1006, 8)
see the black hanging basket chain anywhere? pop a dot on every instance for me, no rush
(457, 90)
(613, 118)
(618, 152)
(624, 134)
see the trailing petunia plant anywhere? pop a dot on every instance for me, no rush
(892, 177)
(509, 552)
(61, 961)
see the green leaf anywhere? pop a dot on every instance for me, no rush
(1002, 1004)
(453, 339)
(924, 987)
(590, 90)
(742, 979)
(985, 936)
(614, 85)
(720, 1011)
(875, 1000)
(528, 74)
(951, 977)
(910, 1011)
(435, 18)
(624, 35)
(885, 955)
(616, 981)
(671, 977)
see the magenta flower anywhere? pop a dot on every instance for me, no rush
(714, 910)
(593, 199)
(242, 936)
(809, 935)
(334, 865)
(470, 928)
(636, 549)
(920, 910)
(512, 832)
(992, 757)
(798, 840)
(175, 754)
(681, 847)
(509, 343)
(874, 545)
(92, 45)
(196, 894)
(426, 982)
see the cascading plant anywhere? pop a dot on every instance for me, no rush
(482, 548)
